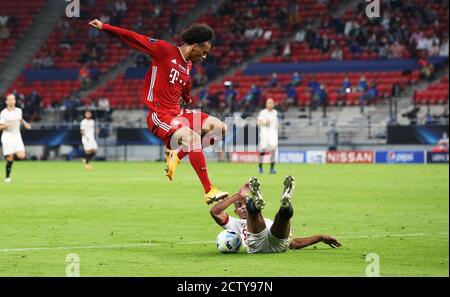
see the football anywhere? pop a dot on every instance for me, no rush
(228, 242)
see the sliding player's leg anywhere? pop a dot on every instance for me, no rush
(255, 203)
(190, 143)
(281, 227)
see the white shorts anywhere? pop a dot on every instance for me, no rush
(266, 242)
(268, 143)
(12, 146)
(89, 144)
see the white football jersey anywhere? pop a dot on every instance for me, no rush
(13, 118)
(270, 122)
(88, 126)
(240, 227)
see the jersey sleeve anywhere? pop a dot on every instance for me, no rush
(262, 115)
(142, 43)
(232, 224)
(2, 118)
(83, 125)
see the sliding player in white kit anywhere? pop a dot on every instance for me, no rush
(12, 144)
(87, 129)
(261, 235)
(268, 135)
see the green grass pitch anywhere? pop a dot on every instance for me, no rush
(126, 219)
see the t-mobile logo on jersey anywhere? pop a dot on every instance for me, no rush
(174, 74)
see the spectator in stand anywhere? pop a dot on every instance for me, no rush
(443, 50)
(47, 62)
(300, 35)
(397, 50)
(369, 96)
(3, 20)
(324, 44)
(104, 111)
(4, 33)
(203, 98)
(362, 85)
(291, 96)
(121, 7)
(346, 86)
(230, 97)
(173, 21)
(296, 79)
(85, 78)
(313, 85)
(273, 81)
(287, 51)
(426, 68)
(252, 98)
(66, 42)
(319, 97)
(337, 53)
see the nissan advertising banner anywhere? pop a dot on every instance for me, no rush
(350, 157)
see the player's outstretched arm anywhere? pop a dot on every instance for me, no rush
(299, 243)
(25, 124)
(218, 211)
(135, 40)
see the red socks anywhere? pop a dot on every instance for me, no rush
(198, 162)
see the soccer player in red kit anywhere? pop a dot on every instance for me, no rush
(167, 82)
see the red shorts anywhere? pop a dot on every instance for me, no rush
(164, 125)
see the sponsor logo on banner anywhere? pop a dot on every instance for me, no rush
(316, 157)
(362, 157)
(400, 157)
(248, 157)
(433, 157)
(291, 157)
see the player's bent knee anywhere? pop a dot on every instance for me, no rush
(20, 156)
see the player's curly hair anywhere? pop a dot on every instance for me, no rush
(197, 33)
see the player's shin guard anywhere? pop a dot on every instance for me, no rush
(198, 162)
(8, 168)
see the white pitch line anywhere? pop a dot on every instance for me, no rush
(111, 246)
(139, 245)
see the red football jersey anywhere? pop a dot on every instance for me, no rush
(167, 81)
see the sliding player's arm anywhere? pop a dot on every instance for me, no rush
(299, 243)
(140, 42)
(218, 211)
(25, 124)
